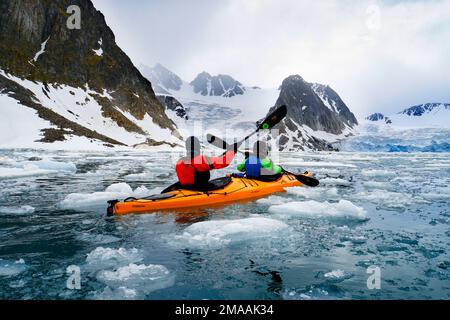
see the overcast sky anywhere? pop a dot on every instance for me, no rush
(378, 55)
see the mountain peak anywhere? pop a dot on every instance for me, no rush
(375, 117)
(220, 85)
(422, 109)
(162, 79)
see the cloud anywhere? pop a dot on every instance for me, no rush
(378, 55)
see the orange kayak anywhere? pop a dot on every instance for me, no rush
(235, 190)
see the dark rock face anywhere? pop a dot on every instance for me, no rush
(375, 117)
(306, 107)
(314, 105)
(419, 110)
(332, 100)
(173, 104)
(76, 58)
(221, 85)
(162, 78)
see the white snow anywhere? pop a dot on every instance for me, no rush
(40, 52)
(99, 198)
(99, 52)
(14, 133)
(314, 209)
(75, 104)
(219, 233)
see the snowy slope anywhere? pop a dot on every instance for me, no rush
(421, 128)
(228, 115)
(78, 105)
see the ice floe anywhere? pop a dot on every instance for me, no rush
(11, 268)
(219, 233)
(139, 277)
(335, 182)
(314, 209)
(388, 199)
(377, 173)
(35, 168)
(115, 191)
(314, 193)
(103, 258)
(17, 210)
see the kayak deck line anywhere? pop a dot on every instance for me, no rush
(237, 190)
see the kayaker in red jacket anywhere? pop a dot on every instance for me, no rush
(193, 171)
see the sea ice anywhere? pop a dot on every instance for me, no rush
(312, 209)
(219, 233)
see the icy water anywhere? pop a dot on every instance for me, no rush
(385, 210)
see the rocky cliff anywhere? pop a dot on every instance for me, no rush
(316, 116)
(41, 60)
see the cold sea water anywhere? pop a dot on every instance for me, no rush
(375, 217)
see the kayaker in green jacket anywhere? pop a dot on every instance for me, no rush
(258, 165)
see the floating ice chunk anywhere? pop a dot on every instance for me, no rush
(386, 198)
(11, 268)
(341, 209)
(143, 278)
(121, 293)
(35, 168)
(17, 210)
(26, 171)
(224, 232)
(307, 164)
(335, 274)
(377, 185)
(140, 176)
(103, 258)
(331, 172)
(335, 182)
(377, 173)
(314, 193)
(51, 165)
(271, 200)
(115, 191)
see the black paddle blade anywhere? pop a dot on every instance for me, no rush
(217, 142)
(308, 181)
(274, 118)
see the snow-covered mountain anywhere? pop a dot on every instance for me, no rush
(316, 117)
(216, 104)
(426, 115)
(420, 128)
(61, 87)
(220, 85)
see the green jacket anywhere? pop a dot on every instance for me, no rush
(266, 164)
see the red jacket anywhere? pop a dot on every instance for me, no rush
(188, 169)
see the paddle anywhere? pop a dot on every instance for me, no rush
(269, 122)
(309, 181)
